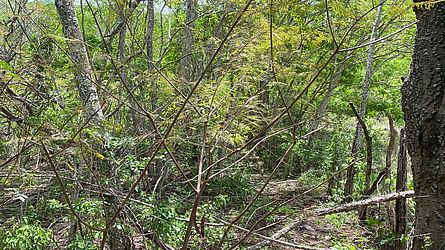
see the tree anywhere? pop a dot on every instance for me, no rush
(209, 106)
(187, 44)
(79, 57)
(423, 99)
(363, 103)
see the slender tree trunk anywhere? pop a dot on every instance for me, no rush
(155, 169)
(423, 100)
(333, 83)
(264, 88)
(349, 186)
(401, 186)
(149, 34)
(79, 57)
(187, 44)
(389, 153)
(390, 150)
(117, 239)
(82, 71)
(149, 50)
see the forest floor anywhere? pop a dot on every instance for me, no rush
(336, 231)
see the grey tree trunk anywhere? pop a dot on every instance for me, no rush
(155, 169)
(423, 100)
(149, 50)
(349, 185)
(79, 57)
(135, 117)
(149, 33)
(187, 44)
(333, 83)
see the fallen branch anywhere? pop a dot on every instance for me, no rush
(277, 235)
(274, 238)
(342, 208)
(366, 202)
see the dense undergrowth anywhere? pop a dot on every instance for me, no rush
(183, 151)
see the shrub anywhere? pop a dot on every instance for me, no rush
(25, 236)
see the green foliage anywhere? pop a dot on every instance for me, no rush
(82, 244)
(26, 236)
(234, 184)
(277, 48)
(163, 220)
(55, 205)
(342, 246)
(88, 207)
(338, 220)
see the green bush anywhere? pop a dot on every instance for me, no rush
(81, 244)
(25, 236)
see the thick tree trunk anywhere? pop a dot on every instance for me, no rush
(423, 99)
(79, 57)
(349, 185)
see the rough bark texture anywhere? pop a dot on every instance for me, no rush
(79, 57)
(423, 102)
(349, 185)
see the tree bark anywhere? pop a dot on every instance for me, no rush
(368, 157)
(423, 100)
(401, 186)
(79, 57)
(149, 34)
(349, 185)
(366, 202)
(187, 44)
(333, 83)
(149, 50)
(389, 153)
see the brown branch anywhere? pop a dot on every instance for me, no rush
(64, 193)
(380, 39)
(368, 156)
(368, 143)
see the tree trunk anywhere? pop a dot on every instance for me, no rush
(149, 34)
(149, 50)
(349, 185)
(423, 100)
(187, 44)
(333, 83)
(389, 153)
(401, 186)
(79, 57)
